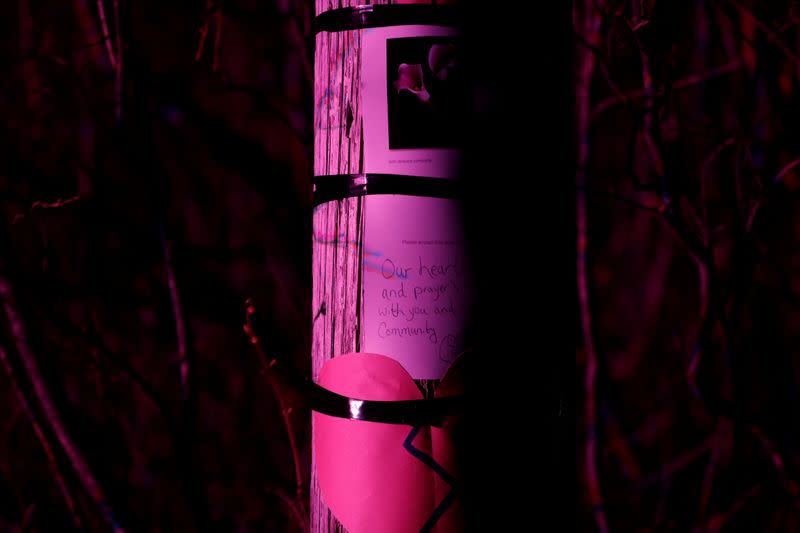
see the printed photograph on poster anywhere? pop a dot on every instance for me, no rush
(425, 93)
(414, 98)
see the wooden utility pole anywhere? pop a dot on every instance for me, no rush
(339, 222)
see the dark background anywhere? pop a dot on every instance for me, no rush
(210, 159)
(688, 394)
(197, 161)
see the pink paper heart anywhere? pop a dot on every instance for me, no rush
(384, 478)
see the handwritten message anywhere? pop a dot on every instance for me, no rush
(417, 289)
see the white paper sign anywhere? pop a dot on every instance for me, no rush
(415, 280)
(417, 287)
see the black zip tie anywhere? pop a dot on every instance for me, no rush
(430, 412)
(376, 16)
(340, 186)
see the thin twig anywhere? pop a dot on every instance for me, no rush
(702, 268)
(267, 363)
(701, 77)
(619, 443)
(614, 195)
(48, 450)
(785, 170)
(590, 26)
(61, 202)
(710, 158)
(42, 394)
(213, 12)
(184, 433)
(775, 181)
(652, 425)
(711, 305)
(58, 203)
(703, 283)
(677, 464)
(791, 23)
(649, 100)
(721, 433)
(772, 37)
(602, 64)
(177, 313)
(777, 461)
(689, 81)
(204, 28)
(297, 511)
(101, 12)
(94, 340)
(716, 314)
(118, 66)
(718, 521)
(93, 50)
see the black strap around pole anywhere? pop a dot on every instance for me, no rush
(339, 186)
(430, 412)
(375, 16)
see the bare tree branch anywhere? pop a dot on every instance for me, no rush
(42, 394)
(590, 27)
(101, 13)
(40, 435)
(267, 363)
(689, 81)
(118, 65)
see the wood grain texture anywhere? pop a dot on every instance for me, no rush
(336, 303)
(337, 96)
(338, 225)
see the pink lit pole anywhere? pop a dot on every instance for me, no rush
(389, 275)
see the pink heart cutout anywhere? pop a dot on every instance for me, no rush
(384, 478)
